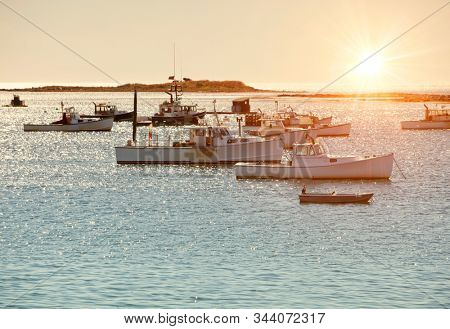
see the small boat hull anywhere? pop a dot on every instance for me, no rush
(334, 130)
(95, 125)
(325, 121)
(376, 167)
(425, 124)
(269, 150)
(335, 198)
(126, 116)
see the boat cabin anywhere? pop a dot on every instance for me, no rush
(105, 108)
(309, 149)
(437, 115)
(271, 127)
(310, 153)
(272, 123)
(69, 117)
(209, 136)
(290, 118)
(176, 109)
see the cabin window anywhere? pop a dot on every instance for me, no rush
(200, 132)
(317, 149)
(303, 150)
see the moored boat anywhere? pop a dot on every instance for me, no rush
(334, 198)
(292, 119)
(106, 110)
(331, 130)
(16, 102)
(275, 128)
(174, 113)
(71, 121)
(434, 119)
(311, 160)
(206, 145)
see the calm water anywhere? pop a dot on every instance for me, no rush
(77, 230)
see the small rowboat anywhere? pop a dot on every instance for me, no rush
(334, 198)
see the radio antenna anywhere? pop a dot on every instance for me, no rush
(174, 76)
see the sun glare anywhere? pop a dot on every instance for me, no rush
(372, 67)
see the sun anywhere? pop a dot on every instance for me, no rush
(371, 67)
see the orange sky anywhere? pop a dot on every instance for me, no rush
(293, 44)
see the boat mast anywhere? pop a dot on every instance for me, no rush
(174, 76)
(134, 116)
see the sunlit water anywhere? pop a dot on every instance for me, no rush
(78, 230)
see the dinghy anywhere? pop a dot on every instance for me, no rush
(334, 198)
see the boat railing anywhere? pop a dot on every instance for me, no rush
(159, 142)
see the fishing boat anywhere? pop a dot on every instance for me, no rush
(71, 121)
(334, 198)
(434, 119)
(275, 127)
(292, 119)
(16, 102)
(321, 127)
(174, 113)
(311, 160)
(106, 110)
(206, 145)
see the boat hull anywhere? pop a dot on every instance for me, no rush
(325, 121)
(126, 116)
(335, 130)
(270, 150)
(378, 167)
(98, 125)
(335, 198)
(425, 124)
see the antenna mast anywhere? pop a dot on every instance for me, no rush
(174, 61)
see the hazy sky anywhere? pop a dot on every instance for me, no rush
(302, 43)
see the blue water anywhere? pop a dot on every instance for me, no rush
(79, 231)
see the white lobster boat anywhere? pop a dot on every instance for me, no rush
(206, 145)
(292, 119)
(311, 161)
(71, 121)
(434, 119)
(275, 128)
(321, 127)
